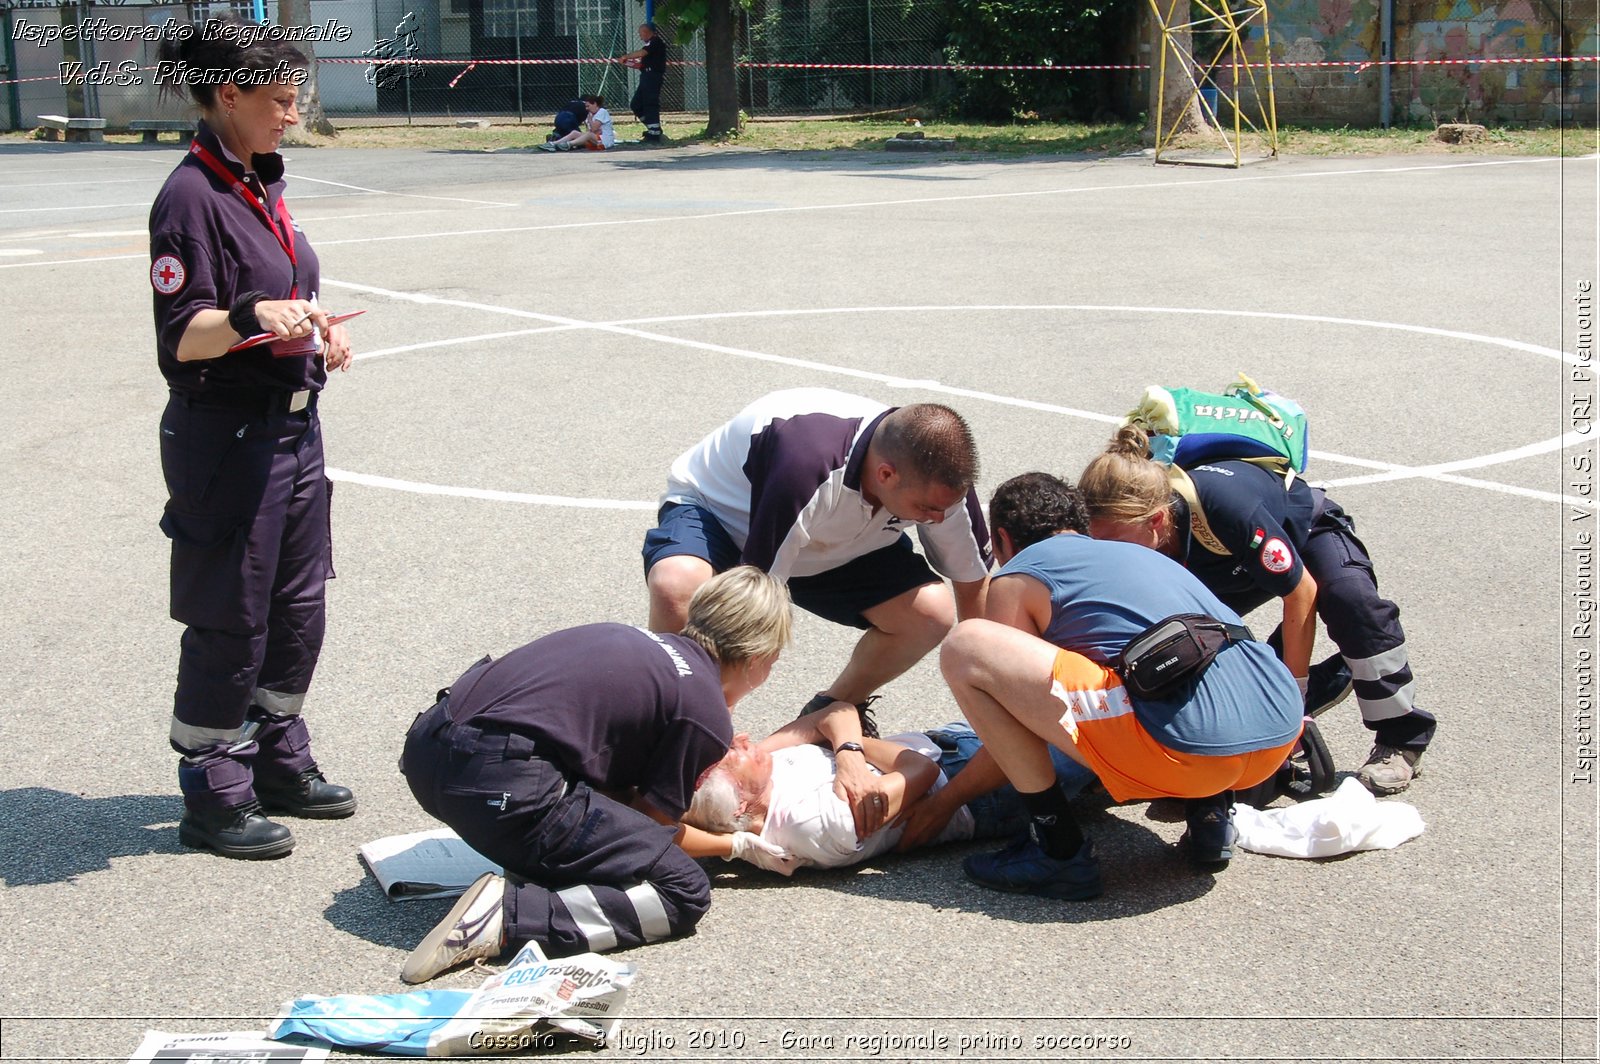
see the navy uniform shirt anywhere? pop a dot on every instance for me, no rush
(1263, 526)
(617, 707)
(655, 56)
(207, 247)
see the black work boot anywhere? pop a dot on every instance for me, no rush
(220, 811)
(240, 832)
(306, 795)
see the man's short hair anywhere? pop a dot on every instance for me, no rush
(1033, 507)
(928, 441)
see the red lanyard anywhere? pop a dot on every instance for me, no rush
(283, 225)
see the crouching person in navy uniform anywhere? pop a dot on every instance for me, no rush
(241, 450)
(569, 761)
(1037, 673)
(1286, 540)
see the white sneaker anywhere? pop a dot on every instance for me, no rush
(473, 928)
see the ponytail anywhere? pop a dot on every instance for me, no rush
(1123, 483)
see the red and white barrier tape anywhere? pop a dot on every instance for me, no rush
(1355, 66)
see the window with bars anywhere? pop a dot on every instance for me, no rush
(503, 18)
(245, 10)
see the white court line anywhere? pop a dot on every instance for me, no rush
(1389, 471)
(406, 195)
(419, 488)
(111, 181)
(456, 341)
(1204, 183)
(141, 203)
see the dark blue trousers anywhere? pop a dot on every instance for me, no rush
(646, 102)
(247, 514)
(583, 872)
(1365, 627)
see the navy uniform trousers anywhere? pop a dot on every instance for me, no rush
(583, 872)
(1365, 627)
(247, 514)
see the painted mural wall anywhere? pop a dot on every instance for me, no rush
(1313, 30)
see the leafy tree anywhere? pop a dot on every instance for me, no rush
(716, 18)
(1029, 33)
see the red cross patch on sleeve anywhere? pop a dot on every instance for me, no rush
(1276, 557)
(167, 275)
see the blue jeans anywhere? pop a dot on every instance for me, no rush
(1000, 813)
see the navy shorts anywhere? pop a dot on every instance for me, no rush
(839, 595)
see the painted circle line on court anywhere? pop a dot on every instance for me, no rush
(1444, 472)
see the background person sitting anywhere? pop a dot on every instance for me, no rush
(596, 133)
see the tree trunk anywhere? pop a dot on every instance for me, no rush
(1178, 112)
(722, 81)
(312, 120)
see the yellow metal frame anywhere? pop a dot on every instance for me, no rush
(1232, 16)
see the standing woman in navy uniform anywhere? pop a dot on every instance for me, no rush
(241, 449)
(1284, 540)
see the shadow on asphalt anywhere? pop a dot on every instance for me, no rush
(49, 836)
(1142, 874)
(365, 912)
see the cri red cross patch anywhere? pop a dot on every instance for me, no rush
(1276, 556)
(167, 275)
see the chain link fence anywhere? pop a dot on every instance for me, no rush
(519, 60)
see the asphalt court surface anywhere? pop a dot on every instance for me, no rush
(545, 333)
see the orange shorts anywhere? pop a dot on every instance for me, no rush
(1099, 719)
(595, 145)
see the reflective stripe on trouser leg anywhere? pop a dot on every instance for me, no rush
(673, 897)
(592, 922)
(1365, 627)
(279, 703)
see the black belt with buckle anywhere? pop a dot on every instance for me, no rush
(260, 400)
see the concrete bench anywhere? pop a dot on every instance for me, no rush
(152, 128)
(91, 130)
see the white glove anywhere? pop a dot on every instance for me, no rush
(1305, 685)
(748, 846)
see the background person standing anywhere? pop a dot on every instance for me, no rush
(652, 60)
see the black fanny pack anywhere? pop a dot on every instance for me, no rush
(1174, 651)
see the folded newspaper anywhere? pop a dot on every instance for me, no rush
(425, 864)
(533, 1004)
(161, 1047)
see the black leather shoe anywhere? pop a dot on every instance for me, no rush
(309, 796)
(241, 832)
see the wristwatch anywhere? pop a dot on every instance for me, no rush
(842, 747)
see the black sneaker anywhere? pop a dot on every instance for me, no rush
(1328, 683)
(1211, 833)
(308, 795)
(241, 832)
(822, 699)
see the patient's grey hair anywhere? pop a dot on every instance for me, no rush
(717, 804)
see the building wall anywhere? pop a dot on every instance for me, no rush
(1312, 30)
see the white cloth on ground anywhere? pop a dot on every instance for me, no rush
(1349, 819)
